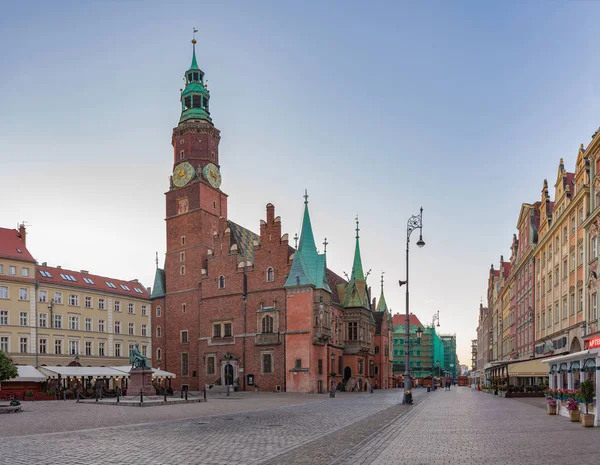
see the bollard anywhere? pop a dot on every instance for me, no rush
(204, 394)
(141, 396)
(96, 395)
(118, 392)
(186, 394)
(77, 396)
(182, 393)
(65, 396)
(165, 392)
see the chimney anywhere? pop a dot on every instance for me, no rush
(84, 272)
(59, 267)
(44, 263)
(23, 234)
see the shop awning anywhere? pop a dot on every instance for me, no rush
(155, 371)
(78, 372)
(584, 354)
(27, 374)
(527, 368)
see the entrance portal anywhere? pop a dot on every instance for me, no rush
(228, 374)
(347, 373)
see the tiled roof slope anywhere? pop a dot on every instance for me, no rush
(244, 238)
(11, 246)
(99, 282)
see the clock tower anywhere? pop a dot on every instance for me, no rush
(194, 204)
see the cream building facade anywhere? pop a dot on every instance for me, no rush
(50, 316)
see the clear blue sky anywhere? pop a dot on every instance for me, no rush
(376, 109)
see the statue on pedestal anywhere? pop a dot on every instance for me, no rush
(137, 359)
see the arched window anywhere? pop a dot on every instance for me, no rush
(158, 331)
(270, 275)
(158, 354)
(267, 324)
(376, 349)
(221, 282)
(158, 311)
(376, 370)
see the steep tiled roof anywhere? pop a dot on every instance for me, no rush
(399, 319)
(12, 247)
(77, 279)
(334, 280)
(244, 238)
(159, 288)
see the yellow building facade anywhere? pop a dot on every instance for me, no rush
(560, 298)
(50, 316)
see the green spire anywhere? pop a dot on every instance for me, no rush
(382, 305)
(357, 269)
(194, 65)
(354, 293)
(309, 267)
(159, 288)
(195, 97)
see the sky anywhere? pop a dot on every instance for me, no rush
(376, 109)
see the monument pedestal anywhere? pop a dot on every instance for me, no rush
(140, 379)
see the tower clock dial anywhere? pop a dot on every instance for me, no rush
(212, 174)
(182, 174)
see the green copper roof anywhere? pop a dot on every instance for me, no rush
(194, 65)
(382, 304)
(195, 97)
(355, 291)
(309, 267)
(159, 288)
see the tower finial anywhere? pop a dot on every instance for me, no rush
(305, 197)
(156, 259)
(325, 245)
(194, 36)
(296, 241)
(357, 228)
(382, 273)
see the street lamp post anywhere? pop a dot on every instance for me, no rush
(436, 317)
(414, 222)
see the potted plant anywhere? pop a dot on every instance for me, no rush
(551, 406)
(586, 388)
(28, 394)
(573, 408)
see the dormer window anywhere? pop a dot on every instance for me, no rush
(221, 283)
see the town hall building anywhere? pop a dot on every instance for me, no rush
(233, 307)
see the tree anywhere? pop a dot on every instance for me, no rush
(8, 370)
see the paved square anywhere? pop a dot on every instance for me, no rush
(456, 427)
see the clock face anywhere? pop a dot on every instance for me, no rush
(212, 175)
(182, 174)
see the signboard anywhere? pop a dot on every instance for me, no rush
(593, 343)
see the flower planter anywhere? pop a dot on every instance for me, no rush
(574, 415)
(551, 409)
(587, 420)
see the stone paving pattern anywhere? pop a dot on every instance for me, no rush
(456, 427)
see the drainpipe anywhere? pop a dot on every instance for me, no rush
(244, 303)
(37, 342)
(284, 343)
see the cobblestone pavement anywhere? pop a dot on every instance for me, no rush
(456, 427)
(235, 438)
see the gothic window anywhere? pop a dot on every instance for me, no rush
(352, 331)
(270, 275)
(184, 364)
(158, 331)
(210, 365)
(320, 366)
(371, 368)
(376, 349)
(361, 366)
(158, 354)
(267, 324)
(221, 282)
(267, 363)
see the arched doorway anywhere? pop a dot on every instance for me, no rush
(347, 373)
(228, 374)
(575, 345)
